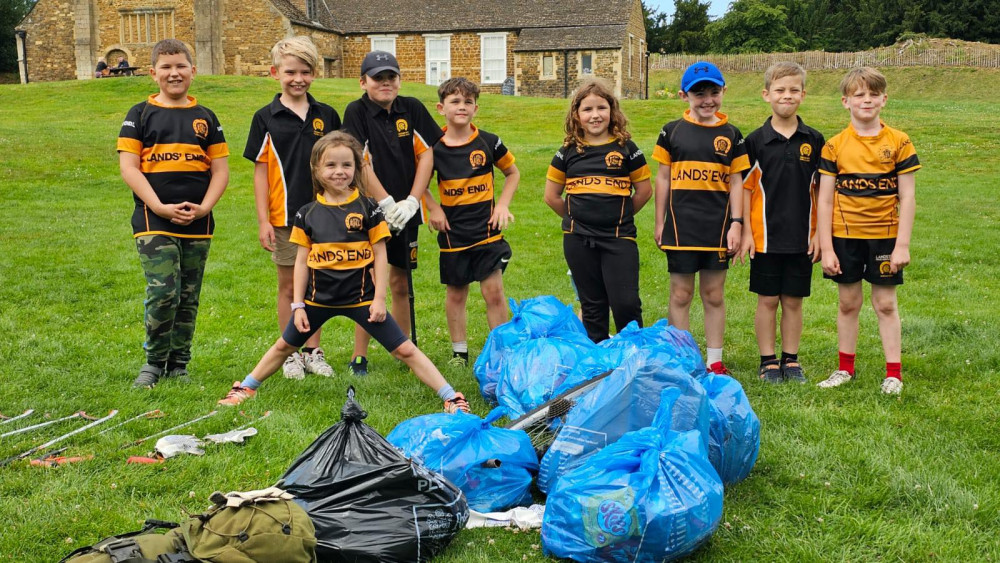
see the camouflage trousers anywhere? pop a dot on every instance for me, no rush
(174, 268)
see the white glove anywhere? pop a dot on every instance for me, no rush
(387, 205)
(400, 215)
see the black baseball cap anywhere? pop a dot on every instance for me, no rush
(379, 61)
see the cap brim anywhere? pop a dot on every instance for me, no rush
(378, 69)
(715, 81)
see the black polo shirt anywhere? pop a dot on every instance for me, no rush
(392, 139)
(284, 141)
(782, 181)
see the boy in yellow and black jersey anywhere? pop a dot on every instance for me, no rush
(699, 203)
(866, 211)
(173, 155)
(469, 219)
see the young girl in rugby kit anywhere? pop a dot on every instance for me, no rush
(606, 181)
(341, 270)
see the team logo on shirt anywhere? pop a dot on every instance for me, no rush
(722, 145)
(613, 160)
(354, 222)
(805, 151)
(477, 158)
(885, 154)
(318, 127)
(200, 128)
(402, 127)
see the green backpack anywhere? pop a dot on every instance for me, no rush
(142, 546)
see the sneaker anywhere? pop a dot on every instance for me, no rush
(459, 359)
(148, 376)
(359, 366)
(237, 395)
(719, 368)
(836, 379)
(792, 371)
(456, 403)
(771, 372)
(179, 373)
(892, 386)
(315, 362)
(295, 367)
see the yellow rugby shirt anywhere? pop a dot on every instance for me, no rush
(340, 239)
(465, 188)
(598, 185)
(701, 158)
(867, 169)
(176, 146)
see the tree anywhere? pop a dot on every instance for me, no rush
(686, 33)
(752, 26)
(11, 14)
(656, 29)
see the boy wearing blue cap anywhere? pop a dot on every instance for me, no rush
(699, 203)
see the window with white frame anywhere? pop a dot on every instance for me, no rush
(437, 53)
(145, 25)
(385, 43)
(548, 66)
(493, 57)
(587, 63)
(630, 54)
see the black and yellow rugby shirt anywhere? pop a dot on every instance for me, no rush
(340, 239)
(867, 169)
(176, 146)
(782, 182)
(281, 139)
(599, 187)
(701, 158)
(392, 139)
(465, 188)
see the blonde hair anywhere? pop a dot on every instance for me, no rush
(863, 76)
(619, 123)
(780, 70)
(332, 140)
(300, 47)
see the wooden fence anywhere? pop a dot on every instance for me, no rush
(908, 54)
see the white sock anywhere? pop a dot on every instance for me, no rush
(714, 355)
(461, 347)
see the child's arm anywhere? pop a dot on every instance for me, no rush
(907, 210)
(734, 238)
(660, 202)
(553, 197)
(265, 232)
(501, 213)
(436, 219)
(376, 311)
(642, 191)
(824, 225)
(300, 279)
(404, 210)
(749, 247)
(217, 185)
(178, 213)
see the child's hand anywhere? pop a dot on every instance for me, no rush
(501, 216)
(657, 233)
(376, 311)
(436, 219)
(301, 320)
(747, 248)
(831, 264)
(814, 251)
(733, 238)
(178, 213)
(899, 259)
(198, 210)
(265, 234)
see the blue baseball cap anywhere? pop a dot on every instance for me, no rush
(701, 71)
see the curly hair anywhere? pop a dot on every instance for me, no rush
(338, 139)
(574, 130)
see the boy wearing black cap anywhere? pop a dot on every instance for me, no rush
(397, 133)
(699, 203)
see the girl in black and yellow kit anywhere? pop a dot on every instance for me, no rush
(341, 270)
(606, 181)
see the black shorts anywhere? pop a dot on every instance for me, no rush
(475, 263)
(866, 259)
(694, 261)
(403, 246)
(781, 274)
(387, 332)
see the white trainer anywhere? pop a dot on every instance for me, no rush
(315, 362)
(295, 367)
(892, 386)
(836, 379)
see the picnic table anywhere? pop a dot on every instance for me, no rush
(123, 70)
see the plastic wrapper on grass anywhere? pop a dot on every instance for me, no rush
(367, 501)
(493, 466)
(536, 370)
(734, 439)
(651, 496)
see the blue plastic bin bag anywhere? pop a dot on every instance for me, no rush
(651, 496)
(735, 435)
(536, 370)
(493, 466)
(624, 401)
(532, 318)
(660, 335)
(593, 363)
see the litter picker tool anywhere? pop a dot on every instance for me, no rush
(150, 414)
(409, 285)
(58, 439)
(53, 459)
(7, 419)
(254, 421)
(168, 430)
(79, 414)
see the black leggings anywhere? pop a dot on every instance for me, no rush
(606, 274)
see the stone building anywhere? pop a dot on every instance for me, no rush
(525, 47)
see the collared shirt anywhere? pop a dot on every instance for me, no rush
(392, 139)
(782, 181)
(176, 146)
(281, 139)
(340, 239)
(701, 159)
(466, 190)
(867, 169)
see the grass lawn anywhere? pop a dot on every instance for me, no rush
(843, 474)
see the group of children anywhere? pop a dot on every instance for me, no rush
(337, 206)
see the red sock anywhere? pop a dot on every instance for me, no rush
(847, 362)
(892, 369)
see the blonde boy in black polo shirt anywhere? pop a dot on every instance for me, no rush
(779, 234)
(281, 138)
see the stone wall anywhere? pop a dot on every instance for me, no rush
(118, 33)
(634, 85)
(49, 41)
(530, 82)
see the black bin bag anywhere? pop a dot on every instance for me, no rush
(367, 501)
